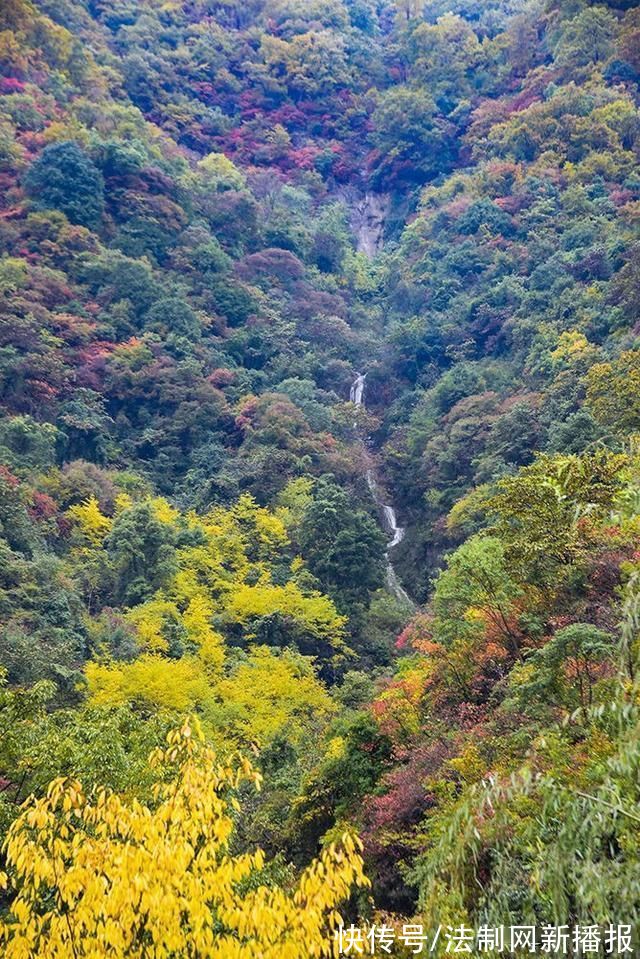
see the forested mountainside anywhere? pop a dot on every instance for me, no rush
(215, 215)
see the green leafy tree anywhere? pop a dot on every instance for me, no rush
(540, 511)
(414, 142)
(613, 392)
(586, 38)
(65, 178)
(476, 590)
(26, 444)
(173, 315)
(141, 553)
(344, 547)
(565, 672)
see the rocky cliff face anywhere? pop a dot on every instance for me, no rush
(368, 216)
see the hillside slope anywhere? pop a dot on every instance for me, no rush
(214, 215)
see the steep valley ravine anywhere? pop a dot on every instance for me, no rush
(387, 511)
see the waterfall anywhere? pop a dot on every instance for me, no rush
(357, 389)
(388, 513)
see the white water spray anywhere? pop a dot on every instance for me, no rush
(357, 389)
(388, 512)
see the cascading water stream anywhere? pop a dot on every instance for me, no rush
(357, 389)
(388, 513)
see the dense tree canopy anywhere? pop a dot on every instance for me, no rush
(414, 616)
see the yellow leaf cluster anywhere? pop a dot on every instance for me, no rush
(228, 572)
(222, 579)
(164, 511)
(90, 520)
(174, 684)
(316, 613)
(271, 695)
(197, 621)
(262, 525)
(150, 619)
(573, 345)
(268, 695)
(153, 618)
(103, 877)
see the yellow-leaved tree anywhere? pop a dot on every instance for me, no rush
(104, 876)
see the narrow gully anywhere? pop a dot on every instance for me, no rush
(388, 513)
